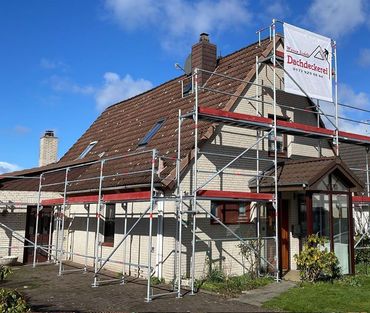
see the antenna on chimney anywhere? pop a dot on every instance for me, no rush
(179, 67)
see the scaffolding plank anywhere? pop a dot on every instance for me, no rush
(83, 199)
(234, 195)
(127, 196)
(360, 199)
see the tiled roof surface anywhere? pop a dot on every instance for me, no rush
(119, 129)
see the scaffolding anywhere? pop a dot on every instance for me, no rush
(66, 179)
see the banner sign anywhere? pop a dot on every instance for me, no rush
(307, 61)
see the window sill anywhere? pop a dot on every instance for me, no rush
(107, 244)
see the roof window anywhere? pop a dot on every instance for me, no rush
(151, 133)
(87, 149)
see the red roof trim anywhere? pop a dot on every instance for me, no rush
(354, 136)
(360, 199)
(252, 196)
(126, 196)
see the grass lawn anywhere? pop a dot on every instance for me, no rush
(234, 285)
(351, 294)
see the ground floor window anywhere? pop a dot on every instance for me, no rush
(109, 224)
(230, 212)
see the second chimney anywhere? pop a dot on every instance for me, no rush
(204, 56)
(48, 148)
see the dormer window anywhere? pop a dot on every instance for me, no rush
(87, 149)
(151, 133)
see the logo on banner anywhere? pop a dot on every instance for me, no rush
(307, 63)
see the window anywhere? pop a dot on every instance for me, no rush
(151, 133)
(230, 212)
(281, 141)
(87, 149)
(109, 224)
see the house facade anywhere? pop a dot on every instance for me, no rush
(96, 195)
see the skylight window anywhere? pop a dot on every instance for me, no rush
(151, 133)
(87, 149)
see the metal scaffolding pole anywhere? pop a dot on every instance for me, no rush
(97, 235)
(61, 255)
(149, 295)
(195, 180)
(179, 207)
(87, 207)
(37, 221)
(275, 201)
(336, 98)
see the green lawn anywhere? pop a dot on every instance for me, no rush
(351, 294)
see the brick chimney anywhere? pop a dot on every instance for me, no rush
(203, 56)
(48, 148)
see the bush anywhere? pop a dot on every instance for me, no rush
(216, 275)
(315, 262)
(4, 272)
(12, 301)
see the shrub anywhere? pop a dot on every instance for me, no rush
(216, 275)
(156, 281)
(315, 262)
(12, 301)
(248, 251)
(4, 272)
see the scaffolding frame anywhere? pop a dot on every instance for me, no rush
(264, 127)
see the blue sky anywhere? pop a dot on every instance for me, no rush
(63, 62)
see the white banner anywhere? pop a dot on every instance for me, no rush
(308, 60)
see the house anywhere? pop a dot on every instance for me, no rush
(174, 208)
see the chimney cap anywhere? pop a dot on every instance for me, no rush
(204, 37)
(49, 133)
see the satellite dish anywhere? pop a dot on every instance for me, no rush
(188, 68)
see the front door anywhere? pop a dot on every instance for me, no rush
(45, 223)
(284, 236)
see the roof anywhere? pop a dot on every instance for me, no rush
(355, 158)
(306, 173)
(119, 129)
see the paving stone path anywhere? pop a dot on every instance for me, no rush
(72, 292)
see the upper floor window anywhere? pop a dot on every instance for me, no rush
(87, 149)
(151, 133)
(281, 141)
(230, 212)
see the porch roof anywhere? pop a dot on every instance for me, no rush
(304, 174)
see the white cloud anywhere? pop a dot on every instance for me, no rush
(6, 167)
(275, 9)
(364, 58)
(52, 64)
(347, 95)
(179, 19)
(60, 83)
(117, 89)
(336, 18)
(21, 130)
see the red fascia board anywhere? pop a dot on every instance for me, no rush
(354, 136)
(127, 196)
(252, 196)
(52, 201)
(233, 115)
(360, 199)
(307, 128)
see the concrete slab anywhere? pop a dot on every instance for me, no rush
(258, 296)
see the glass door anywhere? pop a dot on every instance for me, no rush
(341, 231)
